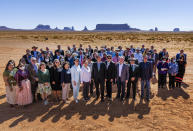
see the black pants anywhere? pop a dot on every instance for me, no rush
(121, 88)
(101, 83)
(109, 88)
(33, 89)
(86, 89)
(161, 80)
(133, 84)
(171, 81)
(91, 87)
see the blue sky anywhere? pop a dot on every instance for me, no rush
(143, 14)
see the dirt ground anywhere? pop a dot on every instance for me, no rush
(167, 109)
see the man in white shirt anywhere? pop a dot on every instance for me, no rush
(85, 77)
(138, 55)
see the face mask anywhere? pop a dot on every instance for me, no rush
(47, 60)
(22, 68)
(164, 61)
(61, 60)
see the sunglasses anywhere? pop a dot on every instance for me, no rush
(109, 57)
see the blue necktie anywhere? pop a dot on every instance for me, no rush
(98, 66)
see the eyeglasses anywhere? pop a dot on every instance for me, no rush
(109, 57)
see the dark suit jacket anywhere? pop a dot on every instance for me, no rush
(162, 54)
(32, 73)
(27, 58)
(101, 74)
(111, 71)
(61, 52)
(145, 70)
(156, 57)
(124, 73)
(134, 73)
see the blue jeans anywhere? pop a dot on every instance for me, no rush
(76, 90)
(145, 83)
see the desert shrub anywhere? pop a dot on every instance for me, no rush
(23, 37)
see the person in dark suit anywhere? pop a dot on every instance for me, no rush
(163, 53)
(90, 50)
(122, 76)
(133, 78)
(110, 76)
(32, 69)
(155, 57)
(59, 50)
(180, 55)
(99, 75)
(57, 55)
(145, 71)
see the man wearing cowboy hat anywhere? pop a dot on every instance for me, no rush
(34, 52)
(138, 55)
(33, 77)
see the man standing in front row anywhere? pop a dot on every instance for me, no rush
(145, 71)
(33, 70)
(133, 78)
(99, 77)
(110, 76)
(122, 76)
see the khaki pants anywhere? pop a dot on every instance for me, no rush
(65, 91)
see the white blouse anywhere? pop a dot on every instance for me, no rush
(85, 74)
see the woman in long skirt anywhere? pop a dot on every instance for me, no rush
(10, 83)
(181, 71)
(23, 92)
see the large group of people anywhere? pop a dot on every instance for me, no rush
(43, 73)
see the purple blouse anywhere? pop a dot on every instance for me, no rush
(21, 75)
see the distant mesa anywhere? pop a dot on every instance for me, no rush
(48, 28)
(99, 27)
(176, 30)
(156, 29)
(4, 28)
(85, 29)
(115, 27)
(68, 29)
(43, 27)
(56, 29)
(73, 28)
(151, 30)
